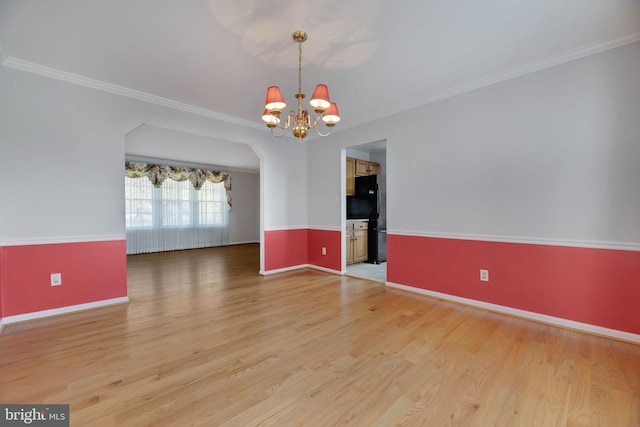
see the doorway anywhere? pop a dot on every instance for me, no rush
(153, 144)
(370, 160)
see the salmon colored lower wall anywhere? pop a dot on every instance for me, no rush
(291, 248)
(332, 241)
(1, 305)
(285, 248)
(594, 286)
(91, 271)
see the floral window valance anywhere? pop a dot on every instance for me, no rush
(158, 173)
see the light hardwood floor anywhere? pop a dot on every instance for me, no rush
(206, 341)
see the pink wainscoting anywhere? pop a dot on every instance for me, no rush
(285, 248)
(594, 286)
(302, 247)
(91, 271)
(1, 304)
(332, 241)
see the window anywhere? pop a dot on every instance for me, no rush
(138, 203)
(165, 212)
(175, 204)
(212, 204)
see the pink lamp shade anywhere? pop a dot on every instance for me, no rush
(320, 98)
(275, 100)
(331, 115)
(270, 119)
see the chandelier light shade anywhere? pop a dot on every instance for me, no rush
(300, 121)
(275, 100)
(269, 118)
(320, 97)
(331, 115)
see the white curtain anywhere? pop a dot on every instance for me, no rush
(174, 215)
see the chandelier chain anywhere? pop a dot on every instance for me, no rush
(299, 67)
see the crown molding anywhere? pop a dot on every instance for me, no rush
(76, 79)
(532, 67)
(492, 79)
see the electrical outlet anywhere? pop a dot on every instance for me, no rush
(324, 251)
(56, 279)
(484, 275)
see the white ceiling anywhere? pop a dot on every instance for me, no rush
(378, 58)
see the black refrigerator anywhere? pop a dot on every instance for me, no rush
(369, 203)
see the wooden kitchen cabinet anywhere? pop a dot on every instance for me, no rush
(351, 176)
(359, 167)
(366, 168)
(357, 241)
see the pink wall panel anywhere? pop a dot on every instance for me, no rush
(593, 286)
(285, 248)
(331, 240)
(91, 271)
(292, 248)
(1, 304)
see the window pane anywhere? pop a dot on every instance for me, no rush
(210, 204)
(176, 205)
(138, 203)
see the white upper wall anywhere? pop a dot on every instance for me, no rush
(62, 150)
(552, 155)
(244, 218)
(358, 153)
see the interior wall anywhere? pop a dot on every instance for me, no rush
(380, 156)
(244, 218)
(358, 154)
(547, 159)
(64, 147)
(551, 155)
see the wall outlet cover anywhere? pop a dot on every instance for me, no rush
(56, 279)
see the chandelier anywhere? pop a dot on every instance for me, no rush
(300, 121)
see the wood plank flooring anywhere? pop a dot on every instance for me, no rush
(206, 341)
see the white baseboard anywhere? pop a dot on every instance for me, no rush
(326, 270)
(536, 317)
(282, 270)
(62, 310)
(299, 267)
